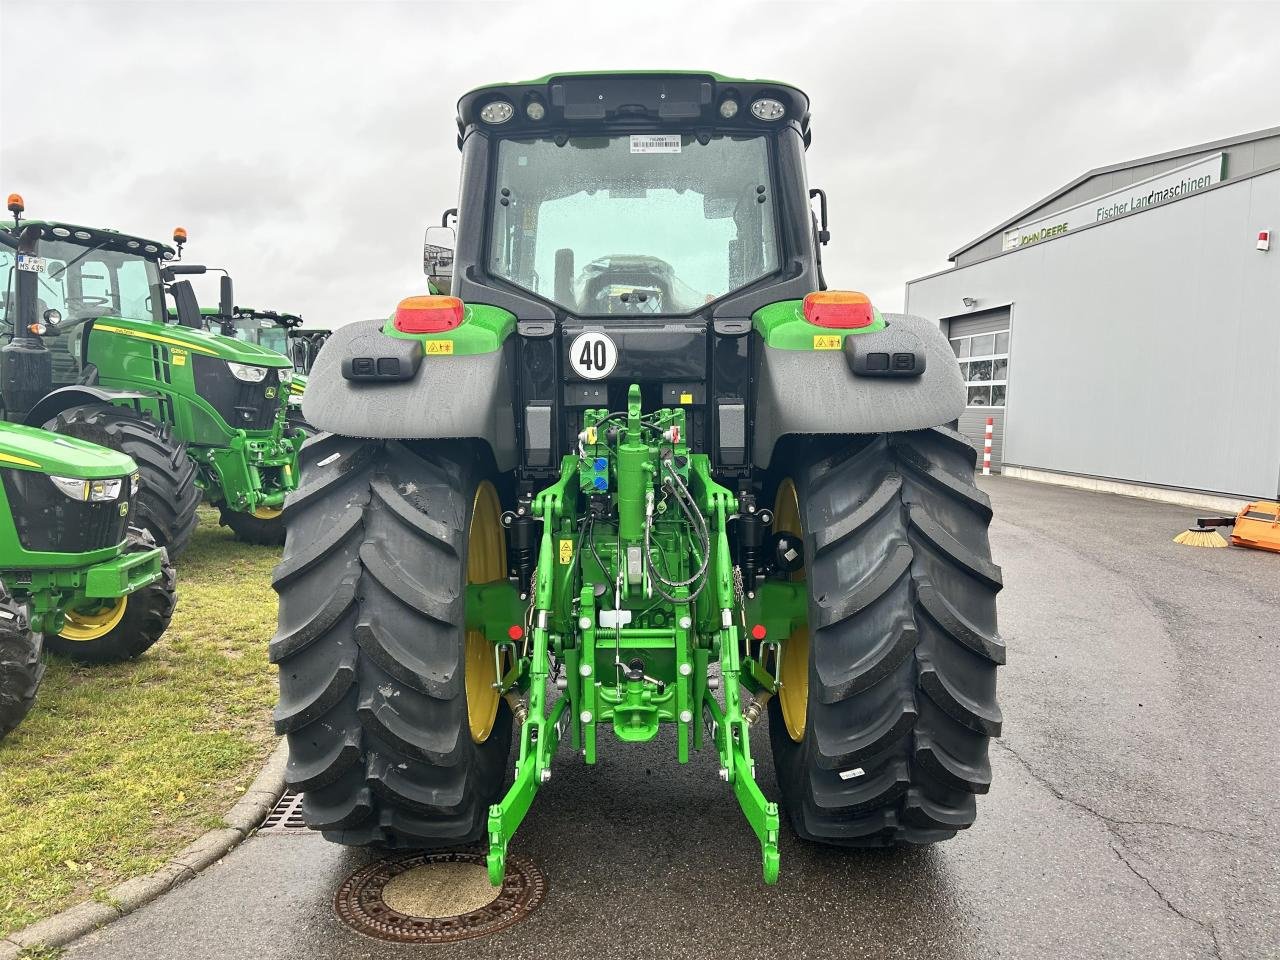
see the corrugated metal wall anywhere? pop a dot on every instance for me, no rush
(1148, 348)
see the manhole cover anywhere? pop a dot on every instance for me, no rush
(437, 897)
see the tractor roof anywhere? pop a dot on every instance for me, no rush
(675, 96)
(110, 239)
(284, 319)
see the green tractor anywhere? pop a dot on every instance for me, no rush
(90, 355)
(273, 331)
(639, 470)
(304, 347)
(75, 577)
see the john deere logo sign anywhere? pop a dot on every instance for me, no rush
(1136, 196)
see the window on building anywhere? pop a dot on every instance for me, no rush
(984, 364)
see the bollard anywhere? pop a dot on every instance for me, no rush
(986, 448)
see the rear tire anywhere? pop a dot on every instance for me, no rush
(263, 531)
(901, 701)
(371, 645)
(141, 623)
(166, 503)
(20, 665)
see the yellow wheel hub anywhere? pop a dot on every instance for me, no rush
(267, 513)
(486, 562)
(93, 619)
(793, 698)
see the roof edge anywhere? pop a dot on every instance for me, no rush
(1112, 168)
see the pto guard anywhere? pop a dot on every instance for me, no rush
(449, 397)
(817, 392)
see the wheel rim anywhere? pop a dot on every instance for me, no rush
(486, 562)
(93, 619)
(793, 698)
(267, 513)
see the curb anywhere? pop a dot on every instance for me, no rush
(87, 916)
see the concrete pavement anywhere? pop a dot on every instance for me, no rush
(1133, 812)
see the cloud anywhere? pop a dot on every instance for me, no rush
(305, 145)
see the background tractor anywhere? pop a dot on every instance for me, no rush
(273, 331)
(76, 577)
(639, 468)
(89, 354)
(304, 347)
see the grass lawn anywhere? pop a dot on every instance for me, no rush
(117, 768)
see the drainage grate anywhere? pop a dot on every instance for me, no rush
(285, 816)
(435, 886)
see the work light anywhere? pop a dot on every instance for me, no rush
(728, 108)
(766, 108)
(496, 111)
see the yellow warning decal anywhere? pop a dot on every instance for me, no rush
(566, 551)
(686, 398)
(823, 341)
(440, 348)
(179, 358)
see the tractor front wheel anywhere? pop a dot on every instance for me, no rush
(397, 737)
(888, 699)
(264, 526)
(20, 665)
(166, 502)
(108, 631)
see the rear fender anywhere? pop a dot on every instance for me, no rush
(817, 391)
(73, 396)
(448, 397)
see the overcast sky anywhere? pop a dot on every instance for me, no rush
(305, 145)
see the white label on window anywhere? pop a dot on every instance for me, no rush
(593, 355)
(655, 143)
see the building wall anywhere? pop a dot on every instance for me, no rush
(1144, 349)
(1242, 159)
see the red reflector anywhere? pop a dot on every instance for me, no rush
(758, 632)
(515, 631)
(839, 309)
(433, 314)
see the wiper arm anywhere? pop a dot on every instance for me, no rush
(70, 263)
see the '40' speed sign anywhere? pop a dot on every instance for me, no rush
(593, 355)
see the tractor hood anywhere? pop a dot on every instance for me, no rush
(196, 341)
(28, 448)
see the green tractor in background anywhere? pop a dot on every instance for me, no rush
(76, 577)
(638, 469)
(273, 331)
(89, 354)
(304, 347)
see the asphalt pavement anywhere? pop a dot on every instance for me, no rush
(1133, 811)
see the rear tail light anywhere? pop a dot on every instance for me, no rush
(839, 309)
(431, 314)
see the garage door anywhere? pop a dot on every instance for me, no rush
(981, 345)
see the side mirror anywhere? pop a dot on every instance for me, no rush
(184, 298)
(437, 257)
(226, 296)
(167, 273)
(823, 233)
